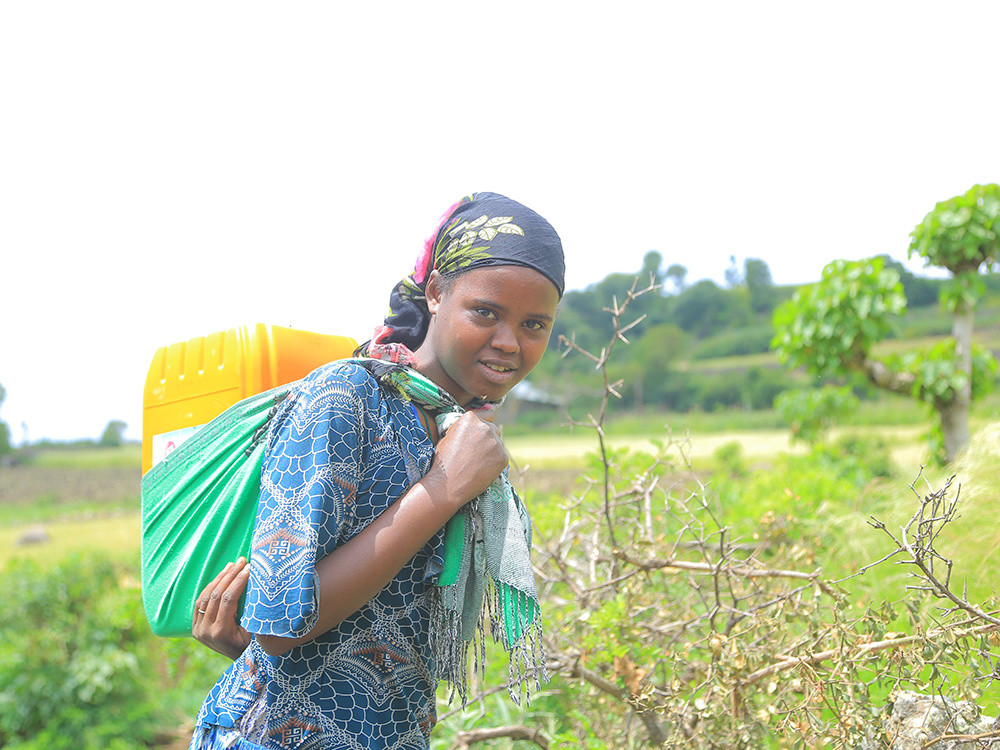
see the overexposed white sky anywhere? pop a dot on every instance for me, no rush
(172, 169)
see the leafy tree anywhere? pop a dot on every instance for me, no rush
(830, 328)
(920, 291)
(677, 274)
(5, 446)
(114, 434)
(651, 265)
(757, 276)
(705, 307)
(732, 274)
(960, 234)
(648, 362)
(697, 305)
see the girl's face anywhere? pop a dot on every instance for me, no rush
(488, 329)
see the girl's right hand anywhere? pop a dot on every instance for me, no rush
(214, 622)
(468, 458)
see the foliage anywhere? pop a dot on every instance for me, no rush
(961, 233)
(5, 446)
(810, 412)
(743, 340)
(919, 291)
(704, 321)
(757, 277)
(71, 676)
(830, 327)
(937, 378)
(677, 274)
(79, 667)
(114, 434)
(704, 307)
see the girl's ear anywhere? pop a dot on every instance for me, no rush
(433, 291)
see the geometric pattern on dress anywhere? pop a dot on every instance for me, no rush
(340, 451)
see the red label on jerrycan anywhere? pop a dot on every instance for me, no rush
(191, 382)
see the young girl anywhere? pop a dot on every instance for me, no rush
(353, 623)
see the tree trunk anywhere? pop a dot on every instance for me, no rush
(955, 415)
(955, 427)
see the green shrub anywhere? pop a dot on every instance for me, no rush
(731, 459)
(811, 412)
(79, 667)
(68, 669)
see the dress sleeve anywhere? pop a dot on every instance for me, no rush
(309, 481)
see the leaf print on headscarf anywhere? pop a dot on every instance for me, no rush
(462, 256)
(469, 225)
(498, 220)
(457, 248)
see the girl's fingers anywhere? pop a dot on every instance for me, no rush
(215, 600)
(233, 590)
(201, 601)
(207, 603)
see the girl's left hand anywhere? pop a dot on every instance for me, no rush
(214, 622)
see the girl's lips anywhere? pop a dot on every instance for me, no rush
(498, 376)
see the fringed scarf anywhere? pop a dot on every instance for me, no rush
(486, 576)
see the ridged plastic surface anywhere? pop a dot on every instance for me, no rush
(191, 382)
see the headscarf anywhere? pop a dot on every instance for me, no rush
(481, 230)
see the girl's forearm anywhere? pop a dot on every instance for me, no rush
(355, 572)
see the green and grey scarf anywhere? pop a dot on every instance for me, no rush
(487, 574)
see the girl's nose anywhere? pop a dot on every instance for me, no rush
(504, 340)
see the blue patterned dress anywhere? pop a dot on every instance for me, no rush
(340, 451)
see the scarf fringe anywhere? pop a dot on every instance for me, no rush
(526, 653)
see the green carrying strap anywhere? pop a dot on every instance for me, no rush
(199, 505)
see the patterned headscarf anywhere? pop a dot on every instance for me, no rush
(482, 229)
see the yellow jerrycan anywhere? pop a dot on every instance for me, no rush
(191, 382)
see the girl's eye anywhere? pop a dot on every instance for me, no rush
(534, 325)
(486, 312)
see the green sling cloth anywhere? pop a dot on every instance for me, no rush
(198, 509)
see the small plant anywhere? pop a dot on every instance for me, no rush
(811, 412)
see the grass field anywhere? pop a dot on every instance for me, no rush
(90, 499)
(116, 534)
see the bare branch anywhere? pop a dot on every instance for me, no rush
(466, 739)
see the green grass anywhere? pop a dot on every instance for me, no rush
(116, 535)
(50, 508)
(126, 455)
(727, 364)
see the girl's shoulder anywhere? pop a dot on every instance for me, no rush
(347, 371)
(341, 383)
